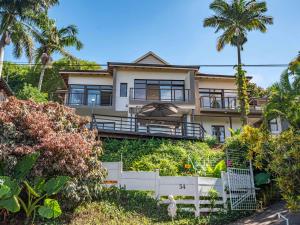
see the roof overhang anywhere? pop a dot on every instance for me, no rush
(217, 76)
(152, 66)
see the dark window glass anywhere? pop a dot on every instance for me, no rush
(123, 90)
(273, 125)
(219, 133)
(76, 95)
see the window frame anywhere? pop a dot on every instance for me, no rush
(218, 126)
(126, 90)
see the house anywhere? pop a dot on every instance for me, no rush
(150, 97)
(5, 90)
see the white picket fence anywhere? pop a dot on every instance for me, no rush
(194, 187)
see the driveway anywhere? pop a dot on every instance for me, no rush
(269, 216)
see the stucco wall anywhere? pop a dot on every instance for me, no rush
(217, 83)
(207, 122)
(91, 80)
(124, 76)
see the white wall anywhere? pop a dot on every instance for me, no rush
(128, 77)
(217, 83)
(207, 122)
(91, 79)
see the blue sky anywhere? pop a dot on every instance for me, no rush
(123, 30)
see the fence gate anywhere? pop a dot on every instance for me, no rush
(240, 182)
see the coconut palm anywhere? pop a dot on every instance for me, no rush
(53, 40)
(235, 20)
(17, 19)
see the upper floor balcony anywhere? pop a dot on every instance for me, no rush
(226, 100)
(177, 95)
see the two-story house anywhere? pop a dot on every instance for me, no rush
(151, 97)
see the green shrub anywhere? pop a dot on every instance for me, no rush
(32, 93)
(169, 156)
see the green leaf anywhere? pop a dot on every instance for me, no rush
(4, 191)
(10, 204)
(24, 166)
(261, 178)
(54, 185)
(221, 166)
(31, 190)
(50, 209)
(12, 184)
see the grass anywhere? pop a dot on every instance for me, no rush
(116, 206)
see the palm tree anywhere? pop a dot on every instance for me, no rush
(53, 40)
(284, 97)
(17, 19)
(235, 19)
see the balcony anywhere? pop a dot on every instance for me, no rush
(136, 127)
(168, 95)
(228, 104)
(91, 100)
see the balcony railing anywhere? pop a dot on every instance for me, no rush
(232, 103)
(147, 127)
(77, 99)
(161, 94)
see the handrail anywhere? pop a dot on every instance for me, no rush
(140, 125)
(175, 94)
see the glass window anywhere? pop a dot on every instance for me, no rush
(219, 133)
(165, 93)
(123, 90)
(106, 97)
(76, 95)
(273, 125)
(93, 97)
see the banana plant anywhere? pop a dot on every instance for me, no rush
(41, 191)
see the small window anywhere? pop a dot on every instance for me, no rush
(273, 125)
(219, 133)
(123, 90)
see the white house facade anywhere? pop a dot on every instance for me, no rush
(150, 97)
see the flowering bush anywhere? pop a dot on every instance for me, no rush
(65, 145)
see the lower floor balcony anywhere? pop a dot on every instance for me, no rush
(169, 127)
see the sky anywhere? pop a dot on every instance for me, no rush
(123, 30)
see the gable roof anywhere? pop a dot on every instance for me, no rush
(150, 58)
(4, 86)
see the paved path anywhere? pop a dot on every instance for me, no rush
(269, 217)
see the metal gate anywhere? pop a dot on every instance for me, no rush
(240, 182)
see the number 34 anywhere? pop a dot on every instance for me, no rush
(181, 186)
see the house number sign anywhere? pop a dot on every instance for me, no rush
(181, 186)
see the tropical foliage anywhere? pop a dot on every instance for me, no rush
(170, 157)
(235, 20)
(53, 40)
(284, 97)
(19, 19)
(32, 93)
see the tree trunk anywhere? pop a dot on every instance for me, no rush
(42, 77)
(242, 94)
(2, 46)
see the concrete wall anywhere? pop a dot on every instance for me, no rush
(91, 80)
(207, 123)
(216, 83)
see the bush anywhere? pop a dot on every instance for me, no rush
(65, 145)
(32, 93)
(167, 155)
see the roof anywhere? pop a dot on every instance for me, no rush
(89, 72)
(206, 75)
(4, 86)
(142, 65)
(150, 55)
